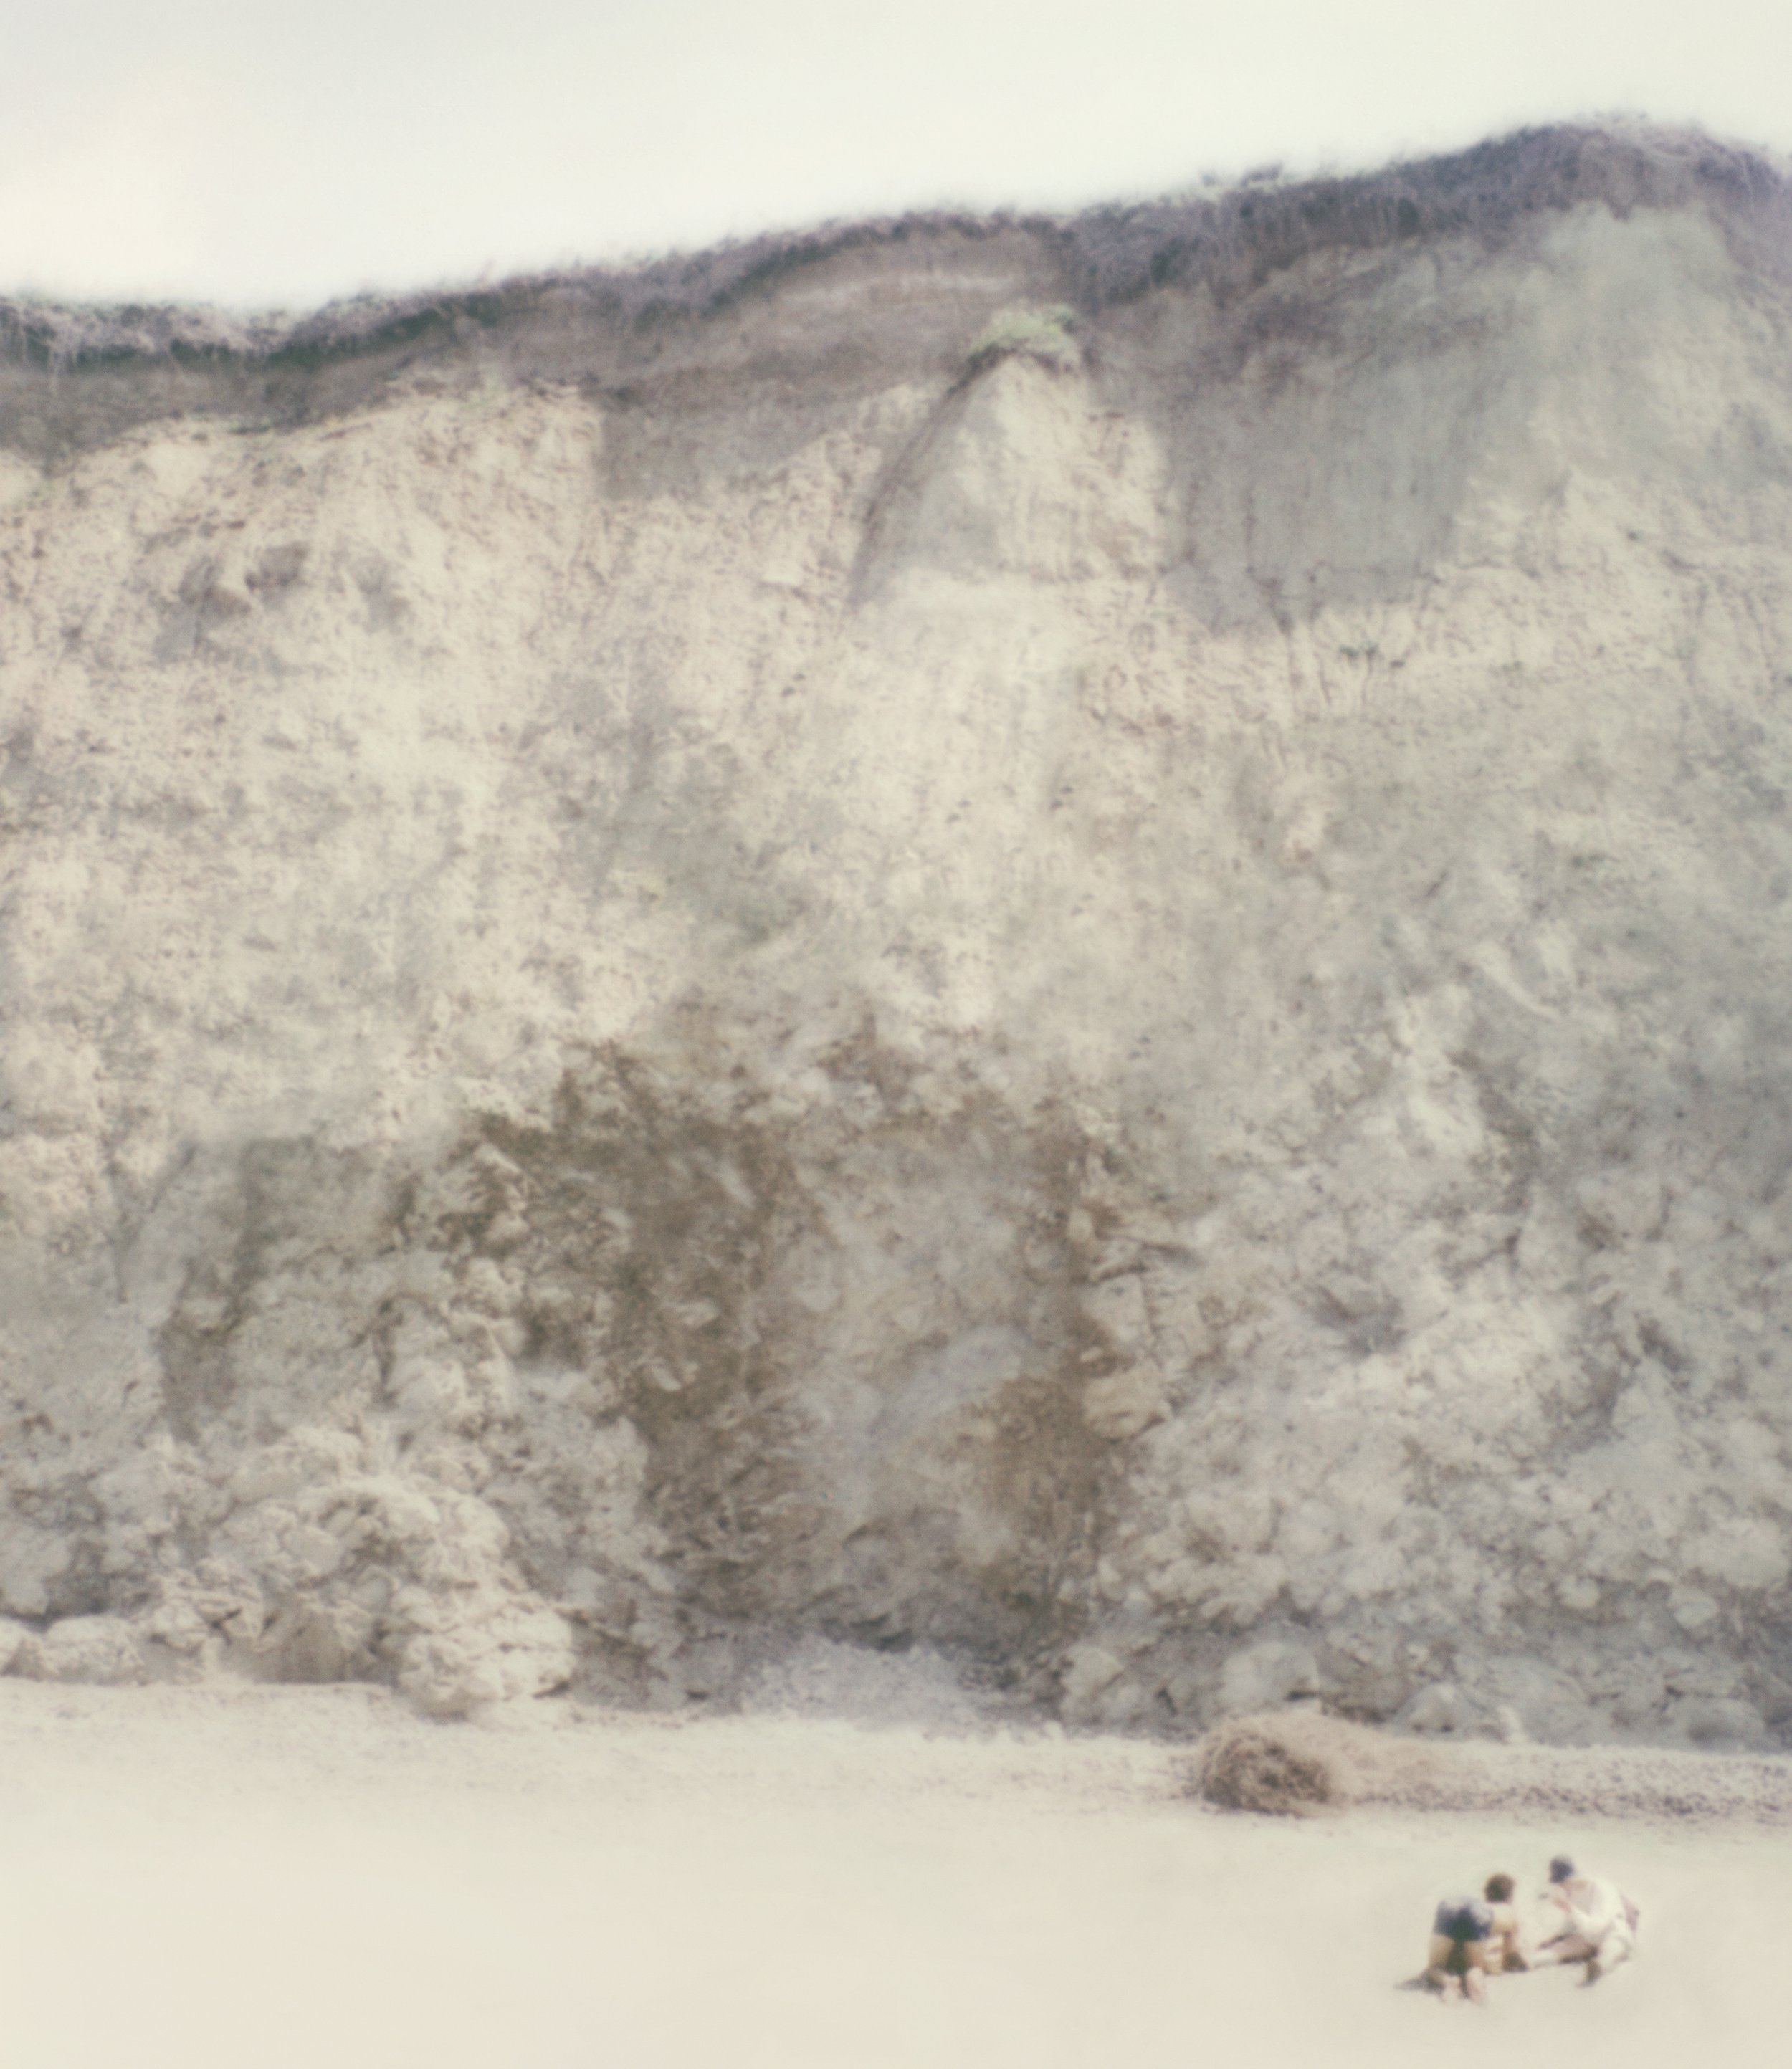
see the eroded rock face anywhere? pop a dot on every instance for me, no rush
(1111, 1002)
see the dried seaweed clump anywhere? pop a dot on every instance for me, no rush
(1280, 1765)
(1299, 1762)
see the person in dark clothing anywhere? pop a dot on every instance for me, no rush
(1462, 1936)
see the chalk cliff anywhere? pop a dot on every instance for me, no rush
(1066, 942)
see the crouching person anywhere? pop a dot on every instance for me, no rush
(1592, 1920)
(1462, 1934)
(1507, 1954)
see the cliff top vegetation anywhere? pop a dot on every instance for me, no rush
(1230, 240)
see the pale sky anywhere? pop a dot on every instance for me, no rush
(257, 155)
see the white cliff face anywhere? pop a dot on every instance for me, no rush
(1115, 1005)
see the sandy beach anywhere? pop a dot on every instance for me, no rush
(195, 1878)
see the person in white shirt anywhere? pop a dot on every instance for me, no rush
(1592, 1921)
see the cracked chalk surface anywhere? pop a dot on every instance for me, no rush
(1109, 1007)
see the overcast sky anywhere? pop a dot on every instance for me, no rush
(259, 155)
